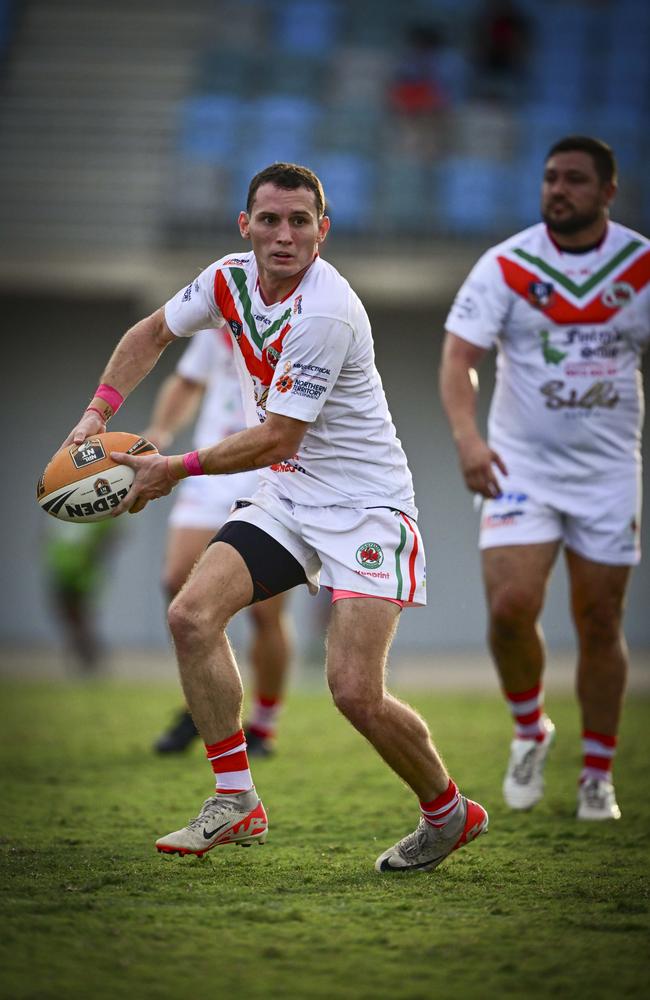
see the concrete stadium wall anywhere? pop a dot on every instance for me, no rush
(54, 352)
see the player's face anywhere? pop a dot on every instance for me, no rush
(573, 196)
(285, 231)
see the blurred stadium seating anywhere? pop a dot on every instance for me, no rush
(138, 128)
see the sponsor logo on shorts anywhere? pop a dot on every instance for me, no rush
(540, 294)
(90, 451)
(369, 555)
(504, 520)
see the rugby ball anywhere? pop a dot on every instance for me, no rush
(82, 483)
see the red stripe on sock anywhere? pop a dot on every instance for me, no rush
(524, 695)
(607, 741)
(214, 749)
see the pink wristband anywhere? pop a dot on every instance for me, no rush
(192, 463)
(110, 396)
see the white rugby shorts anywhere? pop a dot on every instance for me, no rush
(598, 519)
(376, 551)
(206, 501)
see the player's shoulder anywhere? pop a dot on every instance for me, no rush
(324, 292)
(530, 240)
(623, 235)
(243, 261)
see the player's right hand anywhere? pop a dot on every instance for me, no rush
(478, 462)
(90, 424)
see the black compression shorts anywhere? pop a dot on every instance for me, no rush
(272, 568)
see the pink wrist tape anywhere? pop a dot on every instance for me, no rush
(110, 396)
(192, 463)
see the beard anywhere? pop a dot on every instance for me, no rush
(571, 224)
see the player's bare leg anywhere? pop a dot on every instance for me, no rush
(516, 578)
(219, 586)
(270, 654)
(360, 634)
(597, 603)
(184, 547)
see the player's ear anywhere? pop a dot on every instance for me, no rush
(323, 228)
(244, 225)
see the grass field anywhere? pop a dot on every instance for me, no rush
(542, 906)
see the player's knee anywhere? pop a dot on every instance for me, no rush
(511, 609)
(189, 620)
(599, 623)
(353, 700)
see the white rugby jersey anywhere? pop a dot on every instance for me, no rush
(310, 357)
(570, 329)
(209, 360)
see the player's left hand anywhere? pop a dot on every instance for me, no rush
(152, 480)
(90, 424)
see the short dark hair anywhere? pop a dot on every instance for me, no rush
(601, 154)
(289, 176)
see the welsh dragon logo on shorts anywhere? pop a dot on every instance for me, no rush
(369, 555)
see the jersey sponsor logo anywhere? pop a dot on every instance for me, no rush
(90, 451)
(297, 305)
(465, 307)
(237, 328)
(618, 294)
(291, 465)
(540, 294)
(551, 354)
(308, 389)
(237, 261)
(187, 294)
(370, 555)
(599, 395)
(264, 320)
(284, 383)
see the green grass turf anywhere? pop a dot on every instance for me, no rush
(542, 906)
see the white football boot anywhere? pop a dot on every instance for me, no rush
(224, 819)
(523, 785)
(597, 800)
(427, 846)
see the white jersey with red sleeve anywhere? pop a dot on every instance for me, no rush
(570, 329)
(310, 357)
(209, 360)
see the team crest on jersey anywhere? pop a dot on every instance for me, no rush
(540, 294)
(617, 295)
(272, 356)
(369, 555)
(237, 328)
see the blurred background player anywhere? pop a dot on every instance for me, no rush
(567, 301)
(74, 557)
(206, 381)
